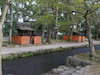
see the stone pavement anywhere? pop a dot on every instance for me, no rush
(7, 50)
(64, 70)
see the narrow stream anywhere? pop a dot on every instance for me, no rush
(36, 65)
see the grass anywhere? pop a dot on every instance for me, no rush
(26, 55)
(86, 56)
(5, 43)
(58, 41)
(95, 67)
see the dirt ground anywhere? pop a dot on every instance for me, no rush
(93, 70)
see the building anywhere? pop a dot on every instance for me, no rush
(25, 35)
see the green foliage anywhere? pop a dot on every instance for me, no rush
(44, 12)
(6, 30)
(47, 19)
(64, 26)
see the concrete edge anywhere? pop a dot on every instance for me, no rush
(39, 52)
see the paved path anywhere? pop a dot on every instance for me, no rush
(6, 50)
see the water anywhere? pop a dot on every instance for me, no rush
(36, 65)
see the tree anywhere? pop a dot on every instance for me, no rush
(89, 21)
(64, 26)
(46, 21)
(57, 8)
(88, 9)
(97, 27)
(1, 25)
(11, 24)
(72, 23)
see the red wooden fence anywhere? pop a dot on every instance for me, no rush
(75, 38)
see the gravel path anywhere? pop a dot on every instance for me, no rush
(6, 50)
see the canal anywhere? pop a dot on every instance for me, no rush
(36, 65)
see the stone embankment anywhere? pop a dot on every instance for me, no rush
(8, 52)
(76, 67)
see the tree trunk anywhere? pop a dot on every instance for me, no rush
(24, 12)
(98, 27)
(17, 13)
(71, 33)
(43, 33)
(57, 22)
(0, 49)
(90, 40)
(49, 36)
(11, 23)
(97, 35)
(72, 29)
(1, 25)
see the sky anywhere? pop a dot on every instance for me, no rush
(20, 19)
